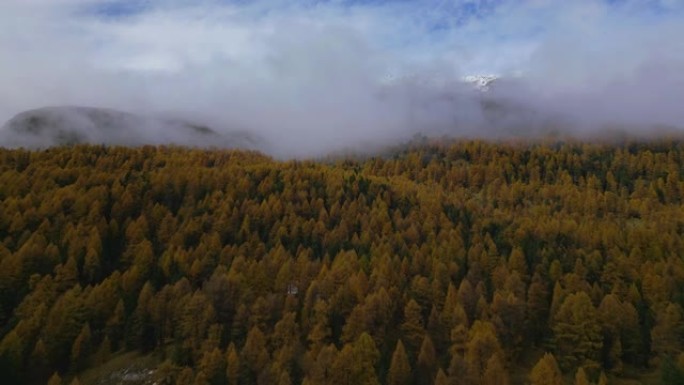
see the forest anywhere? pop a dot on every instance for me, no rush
(439, 262)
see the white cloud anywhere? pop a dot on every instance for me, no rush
(306, 73)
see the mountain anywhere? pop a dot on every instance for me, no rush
(480, 82)
(68, 125)
(477, 82)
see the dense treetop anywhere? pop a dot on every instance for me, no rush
(447, 263)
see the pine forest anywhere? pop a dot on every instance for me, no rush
(439, 262)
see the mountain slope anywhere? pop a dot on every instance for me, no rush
(67, 125)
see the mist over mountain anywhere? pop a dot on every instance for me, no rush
(484, 107)
(68, 125)
(310, 78)
(458, 109)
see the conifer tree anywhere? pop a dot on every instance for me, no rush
(546, 371)
(581, 377)
(426, 366)
(495, 372)
(577, 332)
(482, 345)
(254, 356)
(81, 349)
(441, 378)
(412, 329)
(55, 379)
(355, 364)
(400, 369)
(232, 365)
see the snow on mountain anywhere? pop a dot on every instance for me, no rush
(477, 82)
(480, 82)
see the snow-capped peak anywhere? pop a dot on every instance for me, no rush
(480, 82)
(477, 82)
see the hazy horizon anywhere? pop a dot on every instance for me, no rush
(312, 76)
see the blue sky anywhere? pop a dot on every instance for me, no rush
(449, 37)
(479, 36)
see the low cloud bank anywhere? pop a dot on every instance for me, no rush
(313, 77)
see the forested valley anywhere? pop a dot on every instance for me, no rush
(453, 262)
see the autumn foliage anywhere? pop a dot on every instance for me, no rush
(435, 264)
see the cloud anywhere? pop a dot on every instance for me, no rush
(308, 75)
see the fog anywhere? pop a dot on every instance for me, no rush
(310, 77)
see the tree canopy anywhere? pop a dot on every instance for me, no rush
(439, 263)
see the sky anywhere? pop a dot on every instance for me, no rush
(313, 74)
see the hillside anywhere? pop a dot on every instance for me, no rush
(444, 263)
(70, 125)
